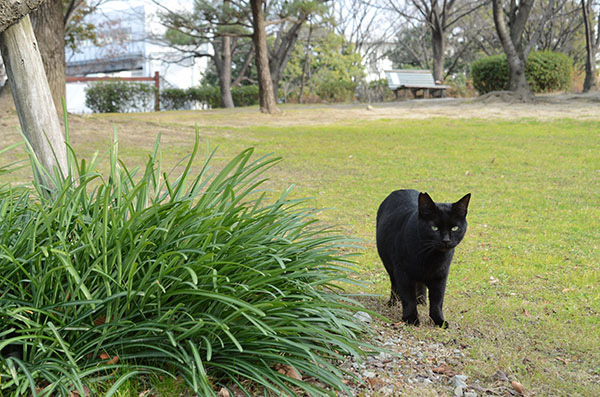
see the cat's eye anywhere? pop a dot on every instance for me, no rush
(454, 229)
(434, 228)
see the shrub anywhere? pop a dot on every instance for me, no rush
(245, 95)
(205, 95)
(336, 90)
(490, 74)
(120, 275)
(177, 98)
(114, 96)
(375, 91)
(549, 71)
(546, 71)
(174, 99)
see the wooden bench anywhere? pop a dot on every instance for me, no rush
(415, 81)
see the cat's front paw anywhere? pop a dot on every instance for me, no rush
(442, 324)
(412, 320)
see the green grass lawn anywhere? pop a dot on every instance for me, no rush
(524, 288)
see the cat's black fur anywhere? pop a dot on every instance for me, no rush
(415, 255)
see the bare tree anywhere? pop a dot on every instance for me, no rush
(440, 16)
(592, 39)
(366, 24)
(512, 42)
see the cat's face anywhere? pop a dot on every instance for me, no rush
(442, 225)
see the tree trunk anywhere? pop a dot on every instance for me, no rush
(259, 36)
(225, 73)
(516, 64)
(439, 48)
(12, 11)
(284, 45)
(33, 99)
(590, 64)
(306, 64)
(48, 25)
(245, 66)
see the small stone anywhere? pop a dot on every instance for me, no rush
(369, 374)
(470, 394)
(363, 317)
(459, 381)
(459, 391)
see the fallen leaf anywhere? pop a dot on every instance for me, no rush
(567, 290)
(104, 356)
(224, 392)
(517, 386)
(525, 312)
(100, 320)
(376, 383)
(563, 360)
(444, 369)
(113, 360)
(288, 370)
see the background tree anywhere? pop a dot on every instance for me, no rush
(367, 25)
(439, 17)
(512, 42)
(592, 39)
(266, 94)
(24, 68)
(223, 24)
(52, 22)
(288, 17)
(331, 63)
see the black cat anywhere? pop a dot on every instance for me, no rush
(415, 240)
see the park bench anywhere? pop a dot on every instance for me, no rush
(415, 81)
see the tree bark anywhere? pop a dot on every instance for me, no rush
(33, 99)
(439, 49)
(282, 51)
(511, 43)
(225, 72)
(259, 36)
(306, 64)
(48, 25)
(590, 49)
(12, 11)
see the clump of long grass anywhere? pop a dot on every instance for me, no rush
(200, 276)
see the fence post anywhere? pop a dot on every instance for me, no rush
(157, 92)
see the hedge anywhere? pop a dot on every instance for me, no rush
(546, 71)
(115, 96)
(177, 98)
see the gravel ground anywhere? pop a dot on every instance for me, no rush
(413, 367)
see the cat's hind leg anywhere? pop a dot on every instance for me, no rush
(393, 295)
(407, 291)
(421, 293)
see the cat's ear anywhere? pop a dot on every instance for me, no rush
(427, 208)
(462, 205)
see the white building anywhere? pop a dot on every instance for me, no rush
(124, 49)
